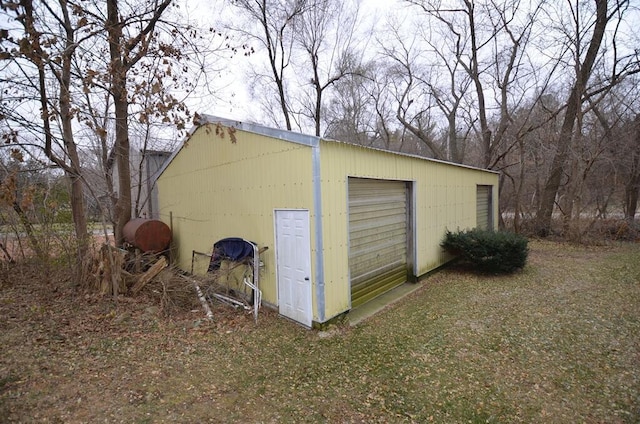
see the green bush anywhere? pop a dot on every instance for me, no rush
(488, 251)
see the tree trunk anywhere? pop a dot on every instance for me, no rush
(573, 106)
(632, 188)
(454, 148)
(318, 104)
(72, 168)
(631, 200)
(121, 106)
(474, 73)
(78, 210)
(79, 214)
(276, 69)
(123, 205)
(518, 190)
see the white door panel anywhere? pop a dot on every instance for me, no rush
(293, 257)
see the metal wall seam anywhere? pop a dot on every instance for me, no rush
(317, 205)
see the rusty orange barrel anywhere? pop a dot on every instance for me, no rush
(148, 235)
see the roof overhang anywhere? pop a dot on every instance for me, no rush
(293, 137)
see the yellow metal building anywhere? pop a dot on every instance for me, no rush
(343, 223)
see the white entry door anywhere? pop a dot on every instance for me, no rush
(293, 257)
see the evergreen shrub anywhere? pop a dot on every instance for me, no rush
(498, 252)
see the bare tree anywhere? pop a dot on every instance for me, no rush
(573, 107)
(480, 47)
(164, 63)
(125, 52)
(71, 64)
(414, 104)
(505, 56)
(33, 49)
(326, 34)
(272, 25)
(362, 109)
(18, 193)
(347, 116)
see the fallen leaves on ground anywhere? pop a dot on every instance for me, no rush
(558, 342)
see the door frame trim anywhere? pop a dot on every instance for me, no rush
(318, 232)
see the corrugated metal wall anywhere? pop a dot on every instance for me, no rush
(228, 187)
(219, 187)
(444, 197)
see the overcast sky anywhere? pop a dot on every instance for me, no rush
(235, 101)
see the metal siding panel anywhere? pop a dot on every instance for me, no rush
(257, 174)
(445, 198)
(218, 187)
(335, 220)
(366, 292)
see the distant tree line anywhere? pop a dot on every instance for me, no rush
(546, 92)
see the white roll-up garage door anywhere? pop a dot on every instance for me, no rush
(377, 237)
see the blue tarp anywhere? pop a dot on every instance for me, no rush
(233, 249)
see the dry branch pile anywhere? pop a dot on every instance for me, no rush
(115, 272)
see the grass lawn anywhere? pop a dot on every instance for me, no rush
(557, 343)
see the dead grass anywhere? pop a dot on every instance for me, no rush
(558, 342)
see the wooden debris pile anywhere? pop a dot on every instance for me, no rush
(118, 272)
